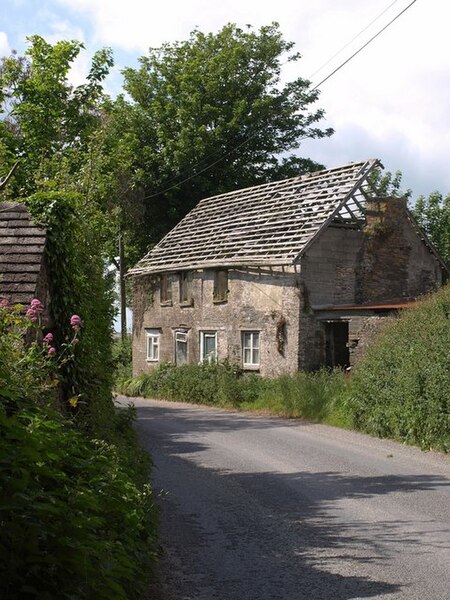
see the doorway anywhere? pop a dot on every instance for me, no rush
(336, 344)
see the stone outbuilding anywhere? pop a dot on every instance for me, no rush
(289, 275)
(23, 270)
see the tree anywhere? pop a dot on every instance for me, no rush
(45, 122)
(433, 214)
(209, 115)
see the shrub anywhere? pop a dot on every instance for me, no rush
(402, 387)
(317, 396)
(76, 516)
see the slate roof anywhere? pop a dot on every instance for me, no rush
(21, 253)
(269, 224)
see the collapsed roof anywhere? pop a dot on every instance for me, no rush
(265, 225)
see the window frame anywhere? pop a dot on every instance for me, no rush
(150, 336)
(210, 333)
(252, 348)
(181, 337)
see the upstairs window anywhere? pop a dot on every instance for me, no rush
(152, 342)
(165, 288)
(250, 349)
(220, 293)
(208, 346)
(185, 278)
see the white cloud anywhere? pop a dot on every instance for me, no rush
(5, 49)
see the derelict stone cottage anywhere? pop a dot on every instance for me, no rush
(289, 275)
(23, 271)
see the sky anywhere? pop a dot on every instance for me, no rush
(391, 101)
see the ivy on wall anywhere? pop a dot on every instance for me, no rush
(78, 284)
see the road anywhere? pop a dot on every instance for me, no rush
(262, 508)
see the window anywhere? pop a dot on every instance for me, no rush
(250, 349)
(181, 348)
(153, 336)
(220, 293)
(165, 287)
(186, 288)
(208, 346)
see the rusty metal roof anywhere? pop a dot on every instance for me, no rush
(270, 224)
(21, 253)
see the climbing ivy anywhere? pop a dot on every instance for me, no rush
(78, 284)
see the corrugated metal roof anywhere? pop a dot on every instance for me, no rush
(21, 253)
(268, 224)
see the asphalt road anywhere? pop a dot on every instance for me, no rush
(259, 508)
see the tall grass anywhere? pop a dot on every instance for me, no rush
(318, 396)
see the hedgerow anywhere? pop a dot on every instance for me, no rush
(73, 522)
(315, 396)
(401, 389)
(77, 518)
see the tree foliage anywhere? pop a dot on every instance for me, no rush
(211, 114)
(45, 122)
(433, 214)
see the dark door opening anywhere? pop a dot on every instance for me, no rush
(336, 346)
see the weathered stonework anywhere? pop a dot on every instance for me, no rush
(258, 300)
(314, 267)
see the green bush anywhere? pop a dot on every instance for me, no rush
(315, 396)
(77, 519)
(401, 389)
(122, 360)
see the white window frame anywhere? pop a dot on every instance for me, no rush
(153, 338)
(248, 339)
(203, 335)
(182, 338)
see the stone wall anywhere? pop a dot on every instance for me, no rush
(264, 300)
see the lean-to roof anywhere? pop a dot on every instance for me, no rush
(269, 224)
(21, 253)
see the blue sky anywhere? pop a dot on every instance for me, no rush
(390, 102)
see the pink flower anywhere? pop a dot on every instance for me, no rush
(48, 339)
(4, 303)
(32, 314)
(51, 351)
(37, 305)
(75, 321)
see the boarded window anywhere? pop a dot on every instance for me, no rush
(250, 349)
(220, 293)
(165, 282)
(185, 287)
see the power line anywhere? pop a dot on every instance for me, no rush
(352, 40)
(249, 138)
(365, 45)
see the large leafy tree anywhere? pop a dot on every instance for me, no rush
(45, 122)
(211, 114)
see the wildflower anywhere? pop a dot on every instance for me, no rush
(51, 351)
(4, 303)
(48, 339)
(32, 314)
(75, 322)
(37, 305)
